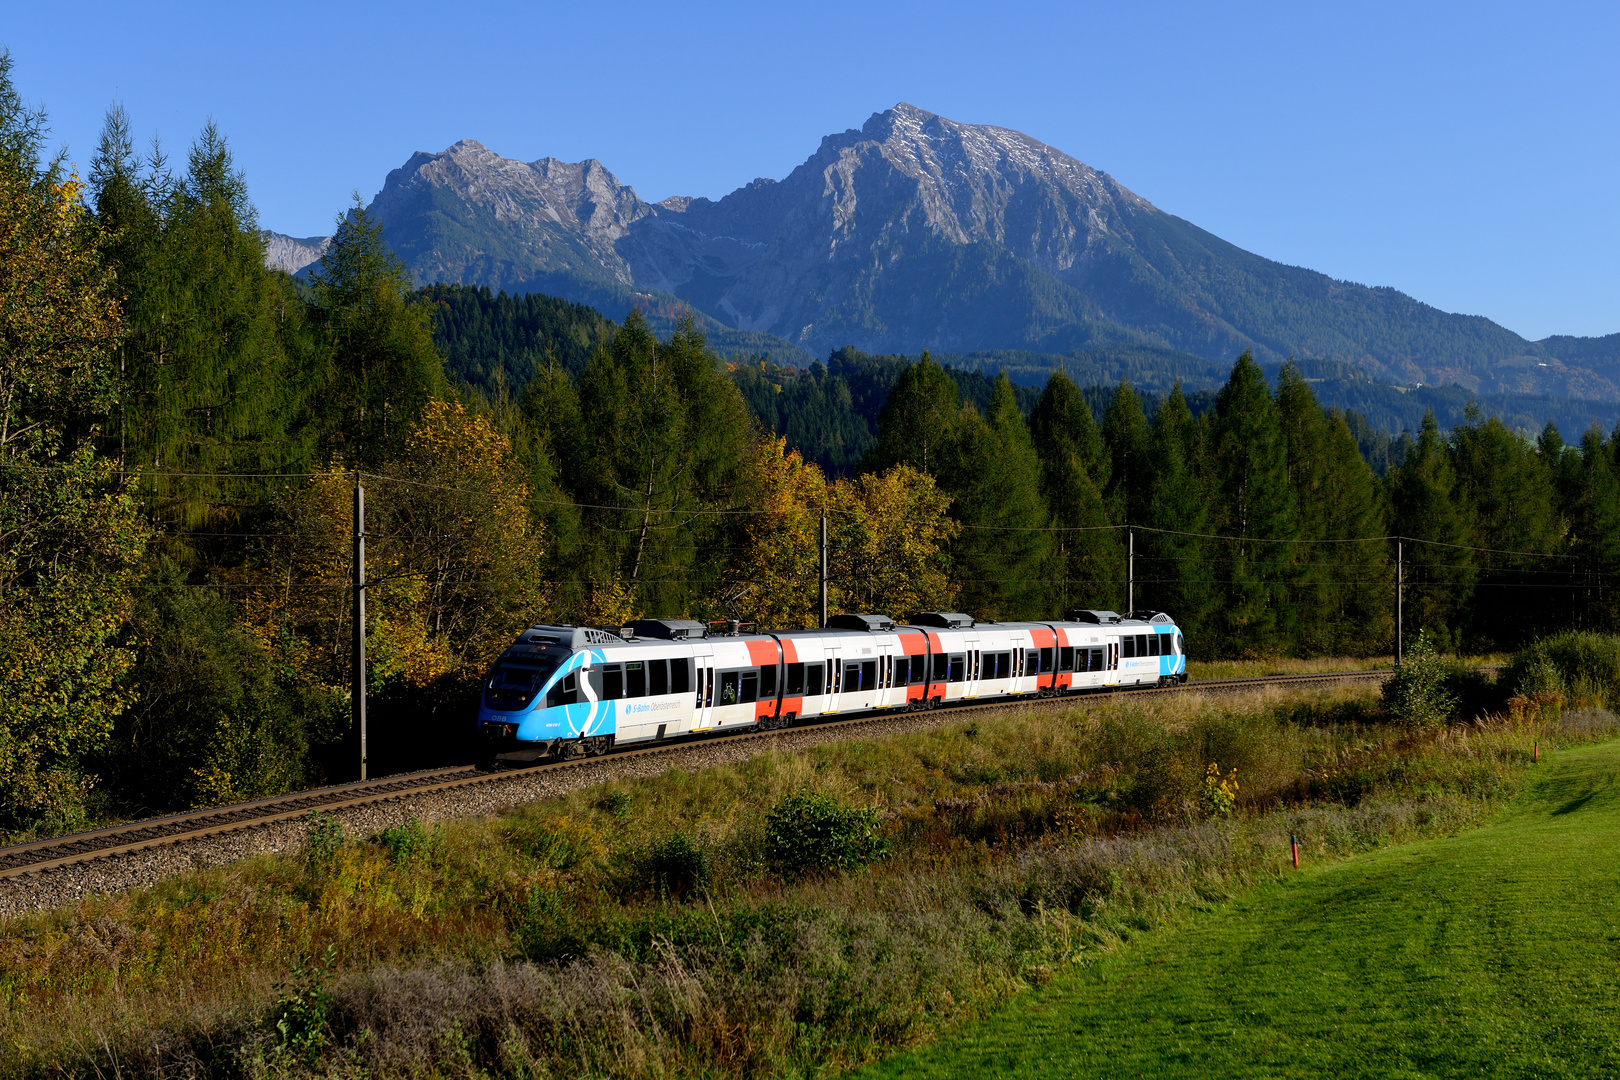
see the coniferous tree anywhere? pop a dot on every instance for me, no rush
(1253, 502)
(919, 420)
(1337, 589)
(1510, 495)
(1172, 554)
(662, 442)
(1074, 471)
(377, 337)
(993, 476)
(1594, 532)
(1439, 572)
(208, 381)
(1125, 431)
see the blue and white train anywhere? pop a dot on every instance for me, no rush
(572, 691)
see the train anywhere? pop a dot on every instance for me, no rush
(562, 692)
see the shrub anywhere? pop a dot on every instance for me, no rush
(1220, 793)
(813, 831)
(1578, 666)
(1416, 694)
(323, 839)
(675, 866)
(408, 841)
(302, 1005)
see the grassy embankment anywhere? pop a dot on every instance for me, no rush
(661, 928)
(1252, 669)
(1490, 953)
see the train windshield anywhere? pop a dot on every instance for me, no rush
(513, 686)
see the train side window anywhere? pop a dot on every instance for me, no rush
(728, 688)
(767, 681)
(1066, 658)
(750, 687)
(1048, 654)
(852, 678)
(812, 679)
(902, 671)
(565, 692)
(795, 679)
(869, 675)
(680, 676)
(612, 683)
(1127, 647)
(941, 662)
(958, 667)
(1097, 661)
(1142, 645)
(1181, 645)
(635, 678)
(657, 677)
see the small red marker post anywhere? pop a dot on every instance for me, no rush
(1293, 842)
(1537, 745)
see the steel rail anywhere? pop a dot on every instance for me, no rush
(53, 853)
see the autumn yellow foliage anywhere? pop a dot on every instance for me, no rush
(886, 542)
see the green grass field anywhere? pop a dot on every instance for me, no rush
(1495, 952)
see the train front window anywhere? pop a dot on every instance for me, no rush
(513, 686)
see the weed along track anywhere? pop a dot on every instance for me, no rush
(44, 873)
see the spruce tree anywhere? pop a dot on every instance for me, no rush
(1594, 533)
(1173, 559)
(992, 473)
(918, 421)
(1125, 431)
(1252, 501)
(1509, 491)
(1337, 590)
(1088, 559)
(1424, 509)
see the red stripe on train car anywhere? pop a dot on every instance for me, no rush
(913, 644)
(763, 653)
(1041, 637)
(790, 652)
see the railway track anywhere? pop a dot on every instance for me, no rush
(39, 857)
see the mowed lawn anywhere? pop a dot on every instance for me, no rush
(1492, 953)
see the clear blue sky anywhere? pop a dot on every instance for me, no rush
(1465, 153)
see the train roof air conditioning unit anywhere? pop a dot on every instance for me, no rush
(945, 620)
(1086, 615)
(670, 629)
(861, 622)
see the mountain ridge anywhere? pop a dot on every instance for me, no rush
(915, 231)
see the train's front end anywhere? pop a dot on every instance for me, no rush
(538, 699)
(1173, 661)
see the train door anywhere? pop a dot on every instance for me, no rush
(885, 677)
(703, 684)
(835, 681)
(1111, 678)
(971, 676)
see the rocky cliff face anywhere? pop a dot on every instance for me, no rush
(916, 232)
(291, 253)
